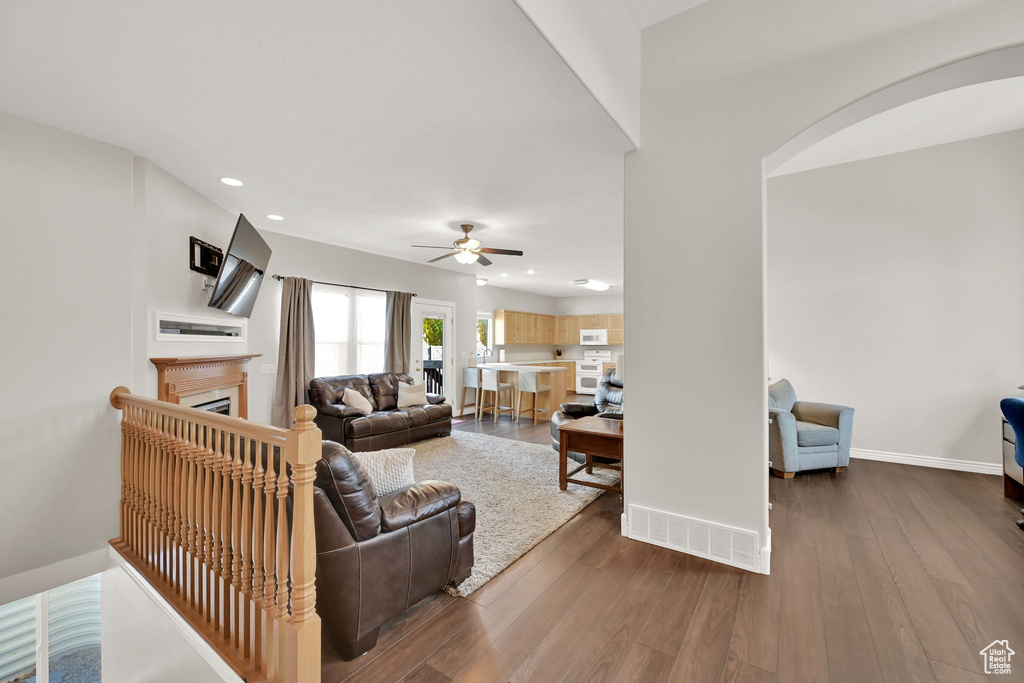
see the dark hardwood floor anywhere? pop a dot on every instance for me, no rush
(883, 573)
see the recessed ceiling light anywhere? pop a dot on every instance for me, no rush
(592, 284)
(530, 272)
(232, 182)
(504, 274)
(275, 217)
(481, 281)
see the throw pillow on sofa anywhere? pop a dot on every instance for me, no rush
(410, 395)
(389, 469)
(353, 399)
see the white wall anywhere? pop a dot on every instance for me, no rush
(725, 84)
(167, 212)
(895, 286)
(590, 305)
(66, 342)
(317, 261)
(600, 41)
(141, 643)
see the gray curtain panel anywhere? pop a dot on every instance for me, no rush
(398, 336)
(295, 353)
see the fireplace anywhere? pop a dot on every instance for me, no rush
(215, 383)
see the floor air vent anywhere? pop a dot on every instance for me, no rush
(730, 545)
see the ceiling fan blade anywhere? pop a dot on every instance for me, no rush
(424, 246)
(507, 252)
(441, 257)
(483, 260)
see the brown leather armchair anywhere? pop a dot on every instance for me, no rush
(376, 557)
(388, 425)
(607, 403)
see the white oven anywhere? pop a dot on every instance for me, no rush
(593, 337)
(590, 369)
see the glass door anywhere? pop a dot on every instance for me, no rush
(432, 352)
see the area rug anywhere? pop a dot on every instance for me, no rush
(514, 486)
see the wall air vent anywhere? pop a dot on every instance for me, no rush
(640, 524)
(719, 542)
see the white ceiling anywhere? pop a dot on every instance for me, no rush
(649, 12)
(369, 125)
(961, 114)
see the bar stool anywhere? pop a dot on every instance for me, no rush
(529, 383)
(470, 380)
(491, 385)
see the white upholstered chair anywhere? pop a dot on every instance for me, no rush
(470, 380)
(491, 387)
(530, 384)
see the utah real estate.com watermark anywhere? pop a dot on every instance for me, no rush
(997, 657)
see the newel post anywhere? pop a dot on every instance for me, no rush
(301, 642)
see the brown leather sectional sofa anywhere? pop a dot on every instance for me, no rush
(387, 426)
(376, 557)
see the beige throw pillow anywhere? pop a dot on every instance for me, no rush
(390, 470)
(411, 395)
(353, 399)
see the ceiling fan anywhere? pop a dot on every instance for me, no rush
(467, 250)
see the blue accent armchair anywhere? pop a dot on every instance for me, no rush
(1013, 409)
(804, 435)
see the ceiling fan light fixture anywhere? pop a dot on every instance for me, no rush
(596, 285)
(481, 281)
(466, 257)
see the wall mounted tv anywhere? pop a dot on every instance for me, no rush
(241, 272)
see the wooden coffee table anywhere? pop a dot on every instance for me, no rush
(592, 436)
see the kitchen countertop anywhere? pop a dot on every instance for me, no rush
(517, 366)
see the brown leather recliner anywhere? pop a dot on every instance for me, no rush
(607, 404)
(387, 426)
(376, 557)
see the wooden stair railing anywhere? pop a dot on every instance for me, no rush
(217, 514)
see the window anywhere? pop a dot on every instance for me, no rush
(54, 635)
(350, 326)
(484, 334)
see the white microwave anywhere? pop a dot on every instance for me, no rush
(593, 337)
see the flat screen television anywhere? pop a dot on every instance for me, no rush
(241, 272)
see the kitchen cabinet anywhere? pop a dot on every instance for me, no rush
(574, 329)
(616, 329)
(570, 372)
(518, 327)
(530, 326)
(607, 366)
(562, 330)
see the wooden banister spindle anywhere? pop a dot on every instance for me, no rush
(270, 560)
(246, 550)
(212, 515)
(257, 551)
(236, 539)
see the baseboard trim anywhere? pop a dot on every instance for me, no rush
(928, 461)
(711, 540)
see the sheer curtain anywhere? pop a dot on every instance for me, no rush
(350, 326)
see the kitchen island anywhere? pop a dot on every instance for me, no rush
(509, 372)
